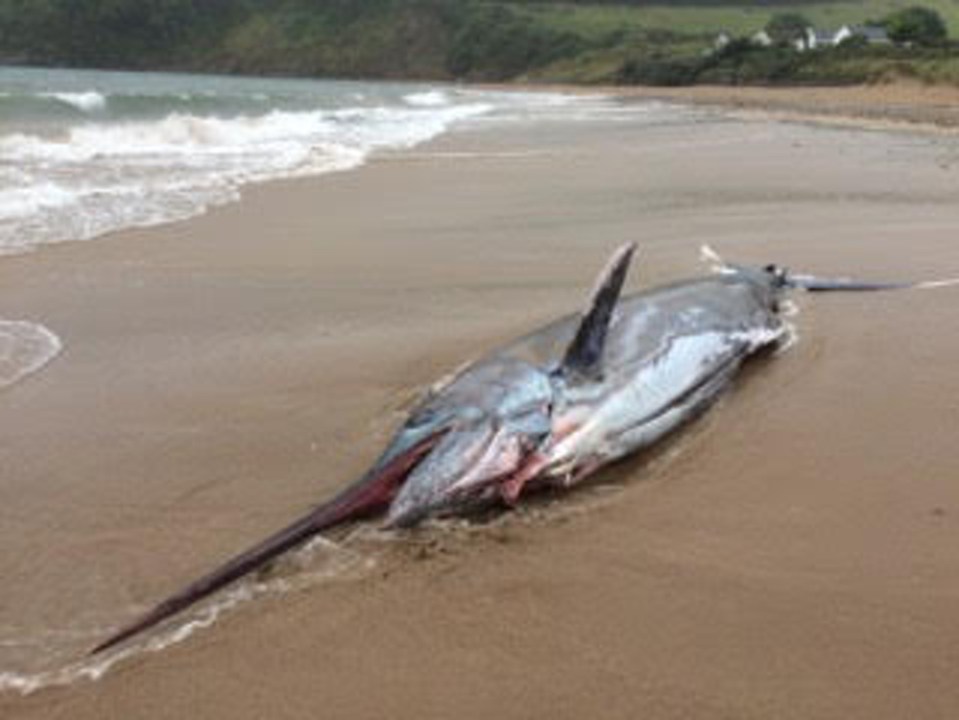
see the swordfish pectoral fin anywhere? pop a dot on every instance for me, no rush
(584, 355)
(369, 494)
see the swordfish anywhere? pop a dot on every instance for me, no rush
(550, 408)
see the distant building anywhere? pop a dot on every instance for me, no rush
(762, 39)
(813, 39)
(872, 34)
(816, 39)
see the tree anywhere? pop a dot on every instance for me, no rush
(916, 24)
(786, 28)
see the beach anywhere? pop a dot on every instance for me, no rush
(894, 105)
(793, 554)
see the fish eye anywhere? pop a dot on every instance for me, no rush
(421, 418)
(778, 272)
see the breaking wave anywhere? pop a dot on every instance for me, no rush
(113, 151)
(83, 101)
(430, 98)
(95, 178)
(84, 153)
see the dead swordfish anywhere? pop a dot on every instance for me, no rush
(551, 407)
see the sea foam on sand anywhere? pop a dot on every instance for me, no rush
(25, 347)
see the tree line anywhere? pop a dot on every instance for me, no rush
(382, 38)
(434, 39)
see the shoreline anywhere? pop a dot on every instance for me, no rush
(892, 106)
(790, 555)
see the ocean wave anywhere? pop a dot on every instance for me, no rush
(177, 133)
(25, 347)
(89, 101)
(94, 178)
(429, 98)
(28, 200)
(185, 134)
(45, 107)
(103, 152)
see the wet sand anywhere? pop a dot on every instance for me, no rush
(898, 104)
(795, 554)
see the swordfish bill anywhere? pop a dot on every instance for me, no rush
(367, 496)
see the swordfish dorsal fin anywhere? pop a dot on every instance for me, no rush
(584, 355)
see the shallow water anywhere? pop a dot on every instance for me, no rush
(84, 153)
(87, 153)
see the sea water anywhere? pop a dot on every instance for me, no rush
(86, 153)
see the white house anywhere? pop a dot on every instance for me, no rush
(872, 34)
(722, 40)
(816, 39)
(762, 39)
(813, 39)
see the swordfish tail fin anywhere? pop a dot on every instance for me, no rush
(815, 283)
(937, 284)
(812, 283)
(370, 494)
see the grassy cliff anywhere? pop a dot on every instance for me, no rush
(344, 38)
(660, 41)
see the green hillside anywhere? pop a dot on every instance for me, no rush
(735, 16)
(657, 42)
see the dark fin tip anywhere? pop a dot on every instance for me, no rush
(584, 354)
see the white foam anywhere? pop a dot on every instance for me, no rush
(100, 177)
(25, 347)
(183, 136)
(337, 562)
(90, 101)
(26, 201)
(571, 108)
(430, 98)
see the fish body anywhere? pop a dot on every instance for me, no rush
(551, 407)
(668, 353)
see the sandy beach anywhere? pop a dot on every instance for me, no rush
(899, 105)
(794, 554)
